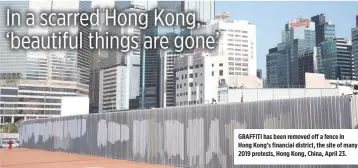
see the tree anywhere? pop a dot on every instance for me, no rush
(10, 128)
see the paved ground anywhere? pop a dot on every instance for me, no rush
(28, 158)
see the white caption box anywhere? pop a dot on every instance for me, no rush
(295, 155)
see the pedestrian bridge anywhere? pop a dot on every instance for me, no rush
(186, 136)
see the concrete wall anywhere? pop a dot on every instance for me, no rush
(250, 95)
(187, 136)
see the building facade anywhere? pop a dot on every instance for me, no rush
(259, 73)
(168, 76)
(28, 99)
(324, 29)
(355, 46)
(236, 43)
(307, 63)
(150, 58)
(283, 68)
(118, 85)
(48, 75)
(11, 61)
(197, 78)
(337, 60)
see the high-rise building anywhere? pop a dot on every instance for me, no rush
(355, 46)
(282, 63)
(324, 29)
(277, 66)
(118, 85)
(167, 77)
(236, 43)
(49, 75)
(12, 61)
(307, 63)
(337, 60)
(197, 78)
(259, 73)
(150, 58)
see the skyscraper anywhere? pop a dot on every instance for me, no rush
(150, 58)
(259, 73)
(283, 68)
(49, 74)
(337, 59)
(355, 46)
(236, 43)
(11, 61)
(324, 29)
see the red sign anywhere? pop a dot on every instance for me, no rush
(299, 24)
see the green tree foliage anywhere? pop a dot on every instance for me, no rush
(10, 128)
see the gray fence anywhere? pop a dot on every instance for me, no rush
(190, 136)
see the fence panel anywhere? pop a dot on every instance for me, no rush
(187, 136)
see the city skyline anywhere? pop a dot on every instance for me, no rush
(342, 14)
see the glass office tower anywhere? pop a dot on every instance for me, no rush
(283, 67)
(324, 29)
(150, 58)
(12, 61)
(337, 59)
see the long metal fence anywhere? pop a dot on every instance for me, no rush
(188, 136)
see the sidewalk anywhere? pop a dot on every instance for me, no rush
(29, 158)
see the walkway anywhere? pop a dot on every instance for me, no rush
(29, 158)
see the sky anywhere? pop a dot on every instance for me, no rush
(270, 19)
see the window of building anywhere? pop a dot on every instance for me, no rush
(180, 85)
(201, 92)
(231, 73)
(196, 75)
(191, 84)
(212, 65)
(231, 63)
(212, 73)
(231, 68)
(182, 76)
(190, 75)
(201, 65)
(221, 65)
(221, 72)
(184, 84)
(237, 73)
(195, 83)
(186, 76)
(231, 58)
(201, 84)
